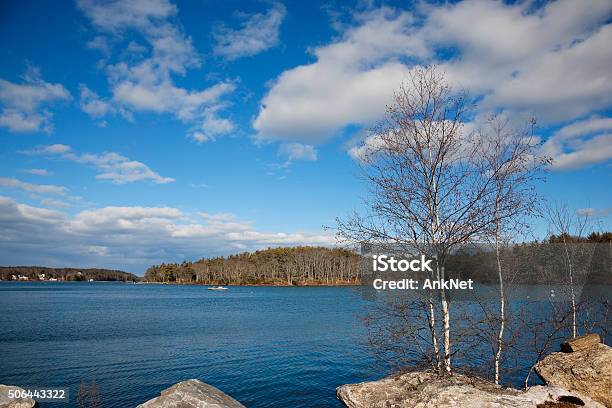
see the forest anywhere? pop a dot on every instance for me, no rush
(64, 274)
(533, 262)
(275, 266)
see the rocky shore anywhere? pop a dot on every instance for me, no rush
(581, 378)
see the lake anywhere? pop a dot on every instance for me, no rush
(264, 346)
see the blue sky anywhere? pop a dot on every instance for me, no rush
(148, 131)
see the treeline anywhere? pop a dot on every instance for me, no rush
(274, 266)
(533, 262)
(593, 238)
(64, 274)
(537, 262)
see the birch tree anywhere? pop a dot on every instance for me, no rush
(568, 226)
(429, 186)
(511, 156)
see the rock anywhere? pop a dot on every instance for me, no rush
(551, 396)
(587, 371)
(580, 343)
(192, 394)
(6, 402)
(426, 389)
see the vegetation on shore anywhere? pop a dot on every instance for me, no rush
(64, 274)
(311, 266)
(274, 266)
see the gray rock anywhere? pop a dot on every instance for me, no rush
(6, 402)
(192, 394)
(426, 389)
(540, 395)
(587, 371)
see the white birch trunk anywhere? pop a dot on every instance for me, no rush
(502, 311)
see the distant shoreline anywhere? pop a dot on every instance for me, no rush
(280, 285)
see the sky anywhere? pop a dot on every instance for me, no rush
(135, 133)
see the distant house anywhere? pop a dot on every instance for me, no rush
(23, 278)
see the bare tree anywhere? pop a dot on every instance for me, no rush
(430, 187)
(568, 225)
(511, 156)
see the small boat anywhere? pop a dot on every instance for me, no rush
(217, 288)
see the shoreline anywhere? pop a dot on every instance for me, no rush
(279, 285)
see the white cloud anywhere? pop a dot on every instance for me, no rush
(595, 150)
(24, 106)
(362, 150)
(116, 16)
(54, 148)
(297, 151)
(258, 32)
(97, 107)
(552, 61)
(32, 188)
(92, 104)
(350, 83)
(212, 126)
(100, 44)
(561, 84)
(110, 165)
(594, 212)
(38, 172)
(129, 237)
(142, 80)
(51, 202)
(582, 143)
(584, 127)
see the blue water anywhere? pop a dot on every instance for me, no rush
(264, 346)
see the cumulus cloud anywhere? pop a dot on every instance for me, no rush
(582, 143)
(258, 32)
(110, 165)
(129, 237)
(25, 105)
(350, 83)
(551, 61)
(142, 79)
(97, 107)
(14, 183)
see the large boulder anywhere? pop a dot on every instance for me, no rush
(6, 402)
(192, 394)
(427, 389)
(587, 371)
